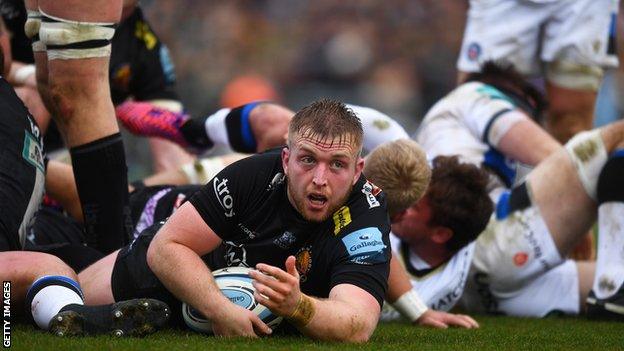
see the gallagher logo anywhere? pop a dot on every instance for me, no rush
(223, 196)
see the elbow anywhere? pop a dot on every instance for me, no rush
(361, 331)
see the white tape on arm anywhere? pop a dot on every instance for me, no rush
(410, 305)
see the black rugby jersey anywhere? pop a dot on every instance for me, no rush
(247, 206)
(140, 65)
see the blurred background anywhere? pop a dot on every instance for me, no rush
(397, 56)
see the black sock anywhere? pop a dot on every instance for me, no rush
(611, 179)
(194, 132)
(101, 177)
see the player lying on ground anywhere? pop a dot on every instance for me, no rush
(517, 264)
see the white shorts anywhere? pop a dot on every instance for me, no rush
(515, 250)
(528, 33)
(556, 291)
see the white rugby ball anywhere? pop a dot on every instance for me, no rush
(235, 284)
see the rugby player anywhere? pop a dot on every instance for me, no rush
(569, 43)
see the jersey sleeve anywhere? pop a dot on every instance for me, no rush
(362, 254)
(490, 114)
(233, 193)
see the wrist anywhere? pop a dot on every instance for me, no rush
(410, 305)
(303, 312)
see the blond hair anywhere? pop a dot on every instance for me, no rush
(401, 170)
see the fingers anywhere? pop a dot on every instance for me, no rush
(269, 281)
(291, 266)
(473, 323)
(268, 292)
(259, 326)
(275, 272)
(434, 323)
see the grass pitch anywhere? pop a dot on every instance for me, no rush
(496, 333)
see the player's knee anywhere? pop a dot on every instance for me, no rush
(269, 123)
(575, 76)
(588, 153)
(65, 39)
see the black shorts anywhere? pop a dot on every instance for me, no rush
(132, 278)
(22, 170)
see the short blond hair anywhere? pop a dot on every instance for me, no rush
(401, 170)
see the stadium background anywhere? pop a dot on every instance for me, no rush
(395, 55)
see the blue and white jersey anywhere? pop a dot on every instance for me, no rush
(378, 127)
(470, 122)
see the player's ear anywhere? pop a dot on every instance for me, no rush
(285, 158)
(359, 166)
(441, 235)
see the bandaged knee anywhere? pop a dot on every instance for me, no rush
(67, 40)
(589, 155)
(202, 170)
(31, 29)
(574, 76)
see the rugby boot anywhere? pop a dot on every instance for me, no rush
(611, 308)
(146, 119)
(135, 317)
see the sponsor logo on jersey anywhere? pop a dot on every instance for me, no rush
(32, 152)
(145, 34)
(342, 218)
(235, 255)
(370, 190)
(520, 259)
(250, 233)
(381, 124)
(303, 262)
(365, 246)
(474, 51)
(286, 240)
(223, 195)
(277, 180)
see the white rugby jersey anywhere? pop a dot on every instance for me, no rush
(439, 287)
(378, 127)
(470, 122)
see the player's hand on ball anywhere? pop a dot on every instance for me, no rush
(233, 320)
(276, 289)
(443, 320)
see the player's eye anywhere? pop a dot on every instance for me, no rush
(306, 160)
(337, 164)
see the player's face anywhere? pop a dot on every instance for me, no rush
(320, 174)
(413, 226)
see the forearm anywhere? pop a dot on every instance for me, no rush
(185, 275)
(528, 143)
(338, 321)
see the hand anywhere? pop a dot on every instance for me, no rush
(442, 320)
(233, 320)
(276, 289)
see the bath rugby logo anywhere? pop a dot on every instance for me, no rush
(303, 262)
(342, 218)
(370, 190)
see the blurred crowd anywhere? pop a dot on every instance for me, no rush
(395, 55)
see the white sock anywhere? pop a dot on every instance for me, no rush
(49, 301)
(610, 263)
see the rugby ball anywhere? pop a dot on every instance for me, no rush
(235, 284)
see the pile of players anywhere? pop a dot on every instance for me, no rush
(483, 208)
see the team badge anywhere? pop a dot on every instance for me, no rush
(520, 259)
(303, 262)
(474, 51)
(370, 190)
(121, 77)
(342, 218)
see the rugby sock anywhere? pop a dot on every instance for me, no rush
(610, 262)
(49, 294)
(239, 129)
(101, 177)
(195, 134)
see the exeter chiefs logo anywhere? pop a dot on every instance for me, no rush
(303, 262)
